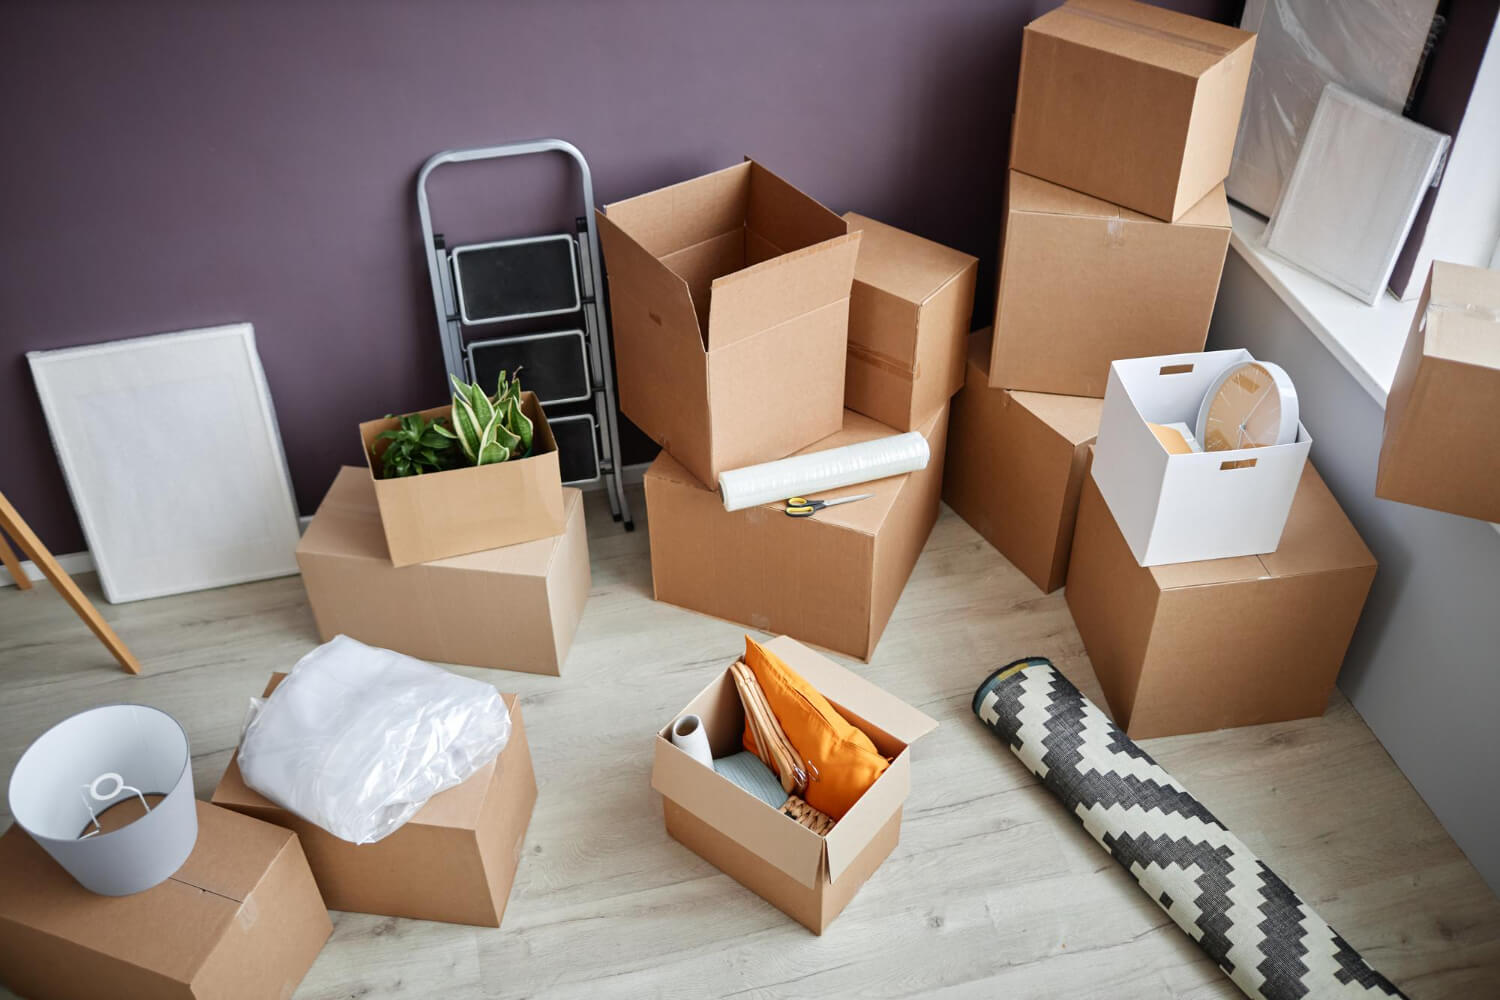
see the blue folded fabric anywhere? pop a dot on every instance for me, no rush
(751, 773)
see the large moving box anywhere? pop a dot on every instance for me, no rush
(830, 579)
(1084, 282)
(1227, 642)
(1016, 463)
(809, 877)
(1441, 449)
(240, 920)
(908, 318)
(514, 608)
(455, 860)
(1130, 103)
(730, 302)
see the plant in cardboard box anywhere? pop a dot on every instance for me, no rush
(418, 445)
(487, 430)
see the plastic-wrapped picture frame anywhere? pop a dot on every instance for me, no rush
(1351, 199)
(171, 453)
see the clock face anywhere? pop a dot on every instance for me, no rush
(1247, 410)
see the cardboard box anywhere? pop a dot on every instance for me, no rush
(1440, 449)
(1227, 642)
(514, 608)
(1184, 508)
(1016, 463)
(1130, 103)
(909, 316)
(441, 514)
(809, 877)
(454, 861)
(831, 579)
(730, 301)
(240, 919)
(1084, 282)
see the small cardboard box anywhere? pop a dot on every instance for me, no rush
(1016, 463)
(1440, 447)
(514, 608)
(831, 579)
(730, 300)
(810, 878)
(1130, 103)
(1228, 642)
(1083, 282)
(241, 918)
(453, 861)
(441, 514)
(909, 316)
(1184, 508)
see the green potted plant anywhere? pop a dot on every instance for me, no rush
(476, 474)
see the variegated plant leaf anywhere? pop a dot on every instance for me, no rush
(521, 424)
(468, 427)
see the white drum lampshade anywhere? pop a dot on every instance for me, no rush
(97, 759)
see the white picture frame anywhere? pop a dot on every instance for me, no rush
(171, 453)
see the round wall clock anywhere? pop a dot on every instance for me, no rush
(1250, 405)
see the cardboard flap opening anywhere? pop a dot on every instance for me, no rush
(865, 818)
(1175, 370)
(848, 689)
(745, 302)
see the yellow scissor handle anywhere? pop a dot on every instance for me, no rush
(798, 502)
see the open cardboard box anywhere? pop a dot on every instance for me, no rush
(809, 877)
(241, 918)
(454, 861)
(1185, 508)
(452, 513)
(1130, 102)
(730, 302)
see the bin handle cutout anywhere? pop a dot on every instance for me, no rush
(1175, 369)
(1243, 463)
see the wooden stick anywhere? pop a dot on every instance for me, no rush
(9, 560)
(12, 524)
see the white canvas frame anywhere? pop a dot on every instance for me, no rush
(171, 453)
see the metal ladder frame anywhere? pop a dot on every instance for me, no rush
(595, 319)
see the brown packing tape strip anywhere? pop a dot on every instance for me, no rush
(1142, 29)
(883, 361)
(772, 745)
(1487, 313)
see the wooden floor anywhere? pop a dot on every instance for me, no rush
(992, 891)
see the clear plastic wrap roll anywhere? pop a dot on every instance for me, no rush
(802, 475)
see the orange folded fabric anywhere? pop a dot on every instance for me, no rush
(840, 760)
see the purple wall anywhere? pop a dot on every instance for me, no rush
(171, 165)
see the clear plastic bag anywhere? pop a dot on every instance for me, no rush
(356, 739)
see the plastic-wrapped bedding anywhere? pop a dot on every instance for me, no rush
(356, 739)
(817, 471)
(1370, 47)
(1270, 944)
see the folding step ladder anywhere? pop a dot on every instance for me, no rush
(490, 296)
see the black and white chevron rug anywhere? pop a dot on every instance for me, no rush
(1271, 944)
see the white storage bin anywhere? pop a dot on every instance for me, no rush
(1183, 508)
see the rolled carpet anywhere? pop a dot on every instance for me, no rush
(1269, 943)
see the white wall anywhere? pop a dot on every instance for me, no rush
(1424, 667)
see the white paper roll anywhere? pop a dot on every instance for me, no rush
(97, 759)
(802, 475)
(688, 735)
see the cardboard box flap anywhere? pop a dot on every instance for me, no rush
(902, 263)
(231, 866)
(1463, 315)
(1147, 34)
(785, 217)
(864, 819)
(632, 266)
(1035, 196)
(682, 215)
(1076, 418)
(768, 294)
(849, 690)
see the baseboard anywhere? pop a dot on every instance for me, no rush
(83, 562)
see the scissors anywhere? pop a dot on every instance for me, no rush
(803, 507)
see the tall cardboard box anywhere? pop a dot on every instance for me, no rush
(514, 608)
(1197, 646)
(1131, 103)
(908, 321)
(1015, 468)
(1440, 447)
(454, 861)
(831, 579)
(240, 920)
(810, 878)
(730, 302)
(1084, 282)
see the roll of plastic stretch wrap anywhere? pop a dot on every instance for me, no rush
(802, 475)
(688, 736)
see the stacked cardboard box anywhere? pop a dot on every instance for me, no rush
(747, 317)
